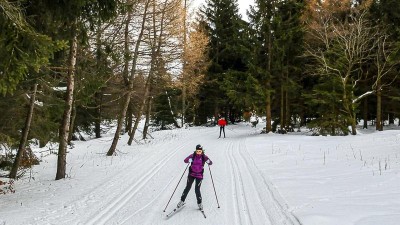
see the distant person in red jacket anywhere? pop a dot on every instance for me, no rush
(222, 123)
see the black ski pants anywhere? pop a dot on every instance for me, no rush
(221, 128)
(189, 183)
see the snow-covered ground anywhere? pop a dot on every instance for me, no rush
(259, 179)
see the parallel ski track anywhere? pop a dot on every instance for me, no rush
(151, 220)
(109, 212)
(105, 214)
(245, 175)
(240, 204)
(81, 201)
(249, 181)
(272, 203)
(134, 184)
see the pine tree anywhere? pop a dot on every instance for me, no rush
(340, 44)
(386, 15)
(23, 50)
(75, 18)
(227, 57)
(288, 60)
(324, 99)
(261, 21)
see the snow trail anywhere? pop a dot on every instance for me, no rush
(135, 188)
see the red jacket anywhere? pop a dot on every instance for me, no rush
(222, 122)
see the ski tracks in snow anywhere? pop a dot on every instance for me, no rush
(255, 199)
(240, 206)
(123, 209)
(125, 197)
(106, 201)
(107, 213)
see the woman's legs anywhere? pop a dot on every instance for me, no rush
(221, 129)
(189, 183)
(197, 190)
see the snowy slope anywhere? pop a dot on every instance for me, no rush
(259, 179)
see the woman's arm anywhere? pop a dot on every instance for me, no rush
(187, 158)
(208, 160)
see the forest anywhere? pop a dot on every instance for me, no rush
(77, 67)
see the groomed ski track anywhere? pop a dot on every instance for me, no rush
(136, 187)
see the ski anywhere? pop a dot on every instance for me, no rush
(202, 211)
(175, 211)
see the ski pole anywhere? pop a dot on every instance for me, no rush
(176, 187)
(213, 185)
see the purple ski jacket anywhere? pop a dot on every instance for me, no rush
(196, 169)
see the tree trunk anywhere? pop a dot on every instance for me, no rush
(170, 109)
(354, 126)
(98, 95)
(268, 110)
(184, 66)
(72, 124)
(121, 117)
(140, 111)
(147, 122)
(127, 53)
(65, 126)
(24, 137)
(97, 126)
(287, 101)
(269, 72)
(282, 119)
(268, 127)
(353, 118)
(129, 118)
(287, 112)
(379, 123)
(348, 105)
(365, 114)
(125, 72)
(136, 124)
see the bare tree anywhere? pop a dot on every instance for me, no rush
(66, 120)
(163, 54)
(194, 63)
(347, 43)
(130, 90)
(184, 62)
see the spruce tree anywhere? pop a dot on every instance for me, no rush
(227, 55)
(288, 63)
(261, 21)
(74, 19)
(385, 13)
(23, 50)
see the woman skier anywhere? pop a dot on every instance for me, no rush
(196, 169)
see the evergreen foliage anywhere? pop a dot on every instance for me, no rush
(279, 64)
(23, 50)
(164, 114)
(325, 99)
(228, 56)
